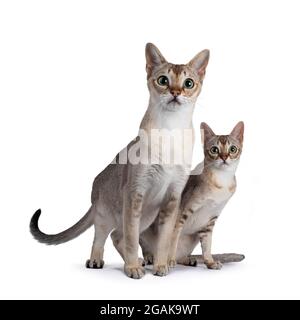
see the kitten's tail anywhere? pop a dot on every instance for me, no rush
(78, 228)
(223, 257)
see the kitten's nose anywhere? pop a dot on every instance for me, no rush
(175, 92)
(224, 156)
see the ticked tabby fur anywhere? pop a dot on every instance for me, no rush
(127, 198)
(203, 199)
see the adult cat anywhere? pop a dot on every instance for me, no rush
(128, 196)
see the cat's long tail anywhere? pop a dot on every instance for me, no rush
(78, 228)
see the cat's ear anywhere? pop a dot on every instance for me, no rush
(206, 132)
(153, 58)
(238, 131)
(200, 62)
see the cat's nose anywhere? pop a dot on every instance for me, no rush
(175, 92)
(223, 156)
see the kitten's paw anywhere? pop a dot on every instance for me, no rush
(172, 263)
(192, 262)
(148, 259)
(134, 272)
(189, 261)
(215, 265)
(142, 262)
(93, 264)
(161, 270)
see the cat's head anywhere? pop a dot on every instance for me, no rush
(174, 85)
(222, 152)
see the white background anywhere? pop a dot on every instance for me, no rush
(72, 94)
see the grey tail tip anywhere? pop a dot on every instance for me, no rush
(237, 256)
(35, 218)
(34, 222)
(37, 233)
(241, 256)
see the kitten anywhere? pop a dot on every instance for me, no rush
(127, 196)
(205, 196)
(209, 187)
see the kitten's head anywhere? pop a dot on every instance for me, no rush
(222, 152)
(174, 85)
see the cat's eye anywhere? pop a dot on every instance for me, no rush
(214, 150)
(188, 83)
(163, 81)
(233, 149)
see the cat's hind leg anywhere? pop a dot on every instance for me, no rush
(102, 230)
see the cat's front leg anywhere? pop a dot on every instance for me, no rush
(181, 219)
(174, 244)
(131, 225)
(206, 241)
(148, 244)
(166, 222)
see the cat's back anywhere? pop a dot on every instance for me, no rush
(108, 181)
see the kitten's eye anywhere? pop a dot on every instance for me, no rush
(188, 83)
(163, 81)
(233, 149)
(214, 150)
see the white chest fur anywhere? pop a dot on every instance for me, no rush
(212, 201)
(169, 135)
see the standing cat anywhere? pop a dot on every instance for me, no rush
(128, 197)
(203, 200)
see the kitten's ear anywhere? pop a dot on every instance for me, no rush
(200, 62)
(238, 132)
(153, 58)
(206, 132)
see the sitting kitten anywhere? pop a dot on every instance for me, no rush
(205, 196)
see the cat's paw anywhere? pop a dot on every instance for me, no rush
(188, 261)
(148, 259)
(215, 265)
(134, 272)
(161, 270)
(192, 262)
(94, 264)
(172, 263)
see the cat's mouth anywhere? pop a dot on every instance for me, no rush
(174, 100)
(224, 163)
